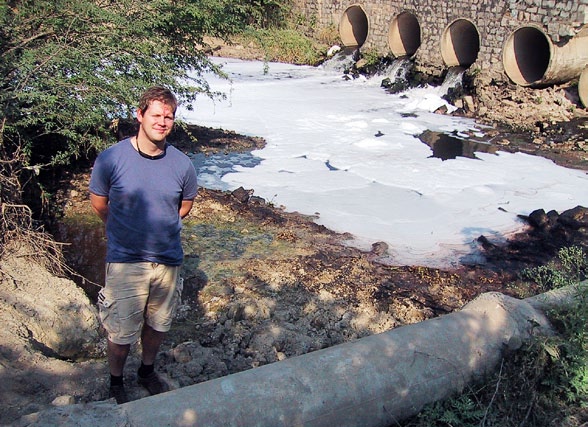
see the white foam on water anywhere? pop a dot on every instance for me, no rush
(348, 151)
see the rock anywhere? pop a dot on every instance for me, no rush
(63, 400)
(575, 218)
(538, 141)
(236, 312)
(242, 195)
(379, 248)
(362, 63)
(469, 104)
(552, 215)
(486, 244)
(538, 219)
(333, 50)
(60, 319)
(46, 322)
(257, 200)
(441, 110)
(181, 353)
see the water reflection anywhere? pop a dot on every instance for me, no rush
(447, 146)
(211, 168)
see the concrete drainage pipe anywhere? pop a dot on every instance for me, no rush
(530, 58)
(583, 87)
(372, 382)
(354, 26)
(460, 44)
(404, 36)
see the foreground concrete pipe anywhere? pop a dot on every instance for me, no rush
(530, 58)
(404, 36)
(354, 26)
(372, 382)
(583, 87)
(559, 298)
(460, 44)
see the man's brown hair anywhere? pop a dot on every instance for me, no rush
(158, 93)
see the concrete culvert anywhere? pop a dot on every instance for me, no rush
(583, 87)
(531, 59)
(460, 44)
(526, 55)
(354, 26)
(404, 37)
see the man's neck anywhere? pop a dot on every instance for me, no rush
(148, 147)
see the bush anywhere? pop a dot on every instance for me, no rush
(285, 45)
(69, 69)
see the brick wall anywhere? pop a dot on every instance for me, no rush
(494, 21)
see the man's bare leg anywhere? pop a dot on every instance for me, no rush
(150, 341)
(117, 357)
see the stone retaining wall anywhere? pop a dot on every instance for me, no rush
(494, 21)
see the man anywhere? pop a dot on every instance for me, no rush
(141, 188)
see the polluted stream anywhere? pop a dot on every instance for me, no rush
(85, 236)
(381, 167)
(344, 150)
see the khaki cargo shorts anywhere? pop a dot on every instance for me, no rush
(138, 293)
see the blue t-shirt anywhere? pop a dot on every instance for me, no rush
(144, 196)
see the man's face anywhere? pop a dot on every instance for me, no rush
(157, 121)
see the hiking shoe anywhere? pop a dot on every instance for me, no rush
(153, 383)
(119, 393)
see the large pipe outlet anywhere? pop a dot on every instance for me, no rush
(531, 59)
(460, 44)
(404, 36)
(372, 382)
(583, 87)
(354, 26)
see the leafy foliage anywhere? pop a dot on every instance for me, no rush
(285, 34)
(286, 45)
(569, 268)
(70, 69)
(264, 14)
(68, 66)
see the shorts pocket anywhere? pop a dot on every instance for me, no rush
(108, 313)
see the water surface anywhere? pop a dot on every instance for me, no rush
(351, 153)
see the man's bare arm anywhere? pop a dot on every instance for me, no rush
(100, 206)
(185, 207)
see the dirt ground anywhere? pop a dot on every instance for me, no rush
(262, 284)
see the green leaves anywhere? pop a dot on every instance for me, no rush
(570, 267)
(68, 68)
